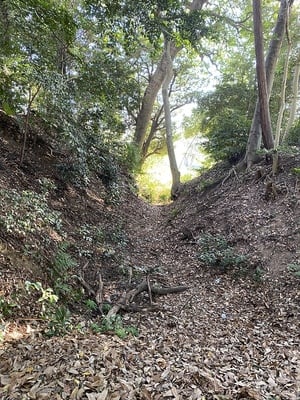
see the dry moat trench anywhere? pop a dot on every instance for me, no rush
(227, 337)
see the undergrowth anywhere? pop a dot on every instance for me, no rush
(26, 212)
(216, 252)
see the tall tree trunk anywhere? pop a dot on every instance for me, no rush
(282, 96)
(265, 119)
(168, 122)
(151, 92)
(62, 57)
(295, 93)
(254, 138)
(154, 86)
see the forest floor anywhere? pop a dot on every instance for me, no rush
(232, 239)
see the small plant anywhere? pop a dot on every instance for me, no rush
(258, 274)
(215, 251)
(295, 269)
(59, 322)
(46, 185)
(59, 270)
(96, 328)
(204, 184)
(106, 307)
(115, 324)
(174, 213)
(117, 236)
(132, 330)
(47, 298)
(86, 233)
(58, 317)
(91, 305)
(296, 171)
(63, 261)
(6, 307)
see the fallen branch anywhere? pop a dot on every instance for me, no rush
(128, 297)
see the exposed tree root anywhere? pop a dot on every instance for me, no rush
(128, 297)
(125, 300)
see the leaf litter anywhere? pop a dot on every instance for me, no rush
(227, 338)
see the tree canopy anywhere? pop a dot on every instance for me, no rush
(93, 70)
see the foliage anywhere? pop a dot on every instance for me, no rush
(114, 324)
(91, 305)
(62, 262)
(215, 251)
(295, 269)
(59, 272)
(26, 212)
(149, 19)
(59, 322)
(296, 171)
(47, 298)
(57, 317)
(6, 307)
(258, 274)
(106, 240)
(224, 118)
(293, 138)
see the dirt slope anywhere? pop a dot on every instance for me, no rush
(228, 337)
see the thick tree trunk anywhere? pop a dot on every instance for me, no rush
(168, 122)
(154, 86)
(151, 92)
(254, 139)
(265, 119)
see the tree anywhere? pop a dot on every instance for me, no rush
(155, 83)
(261, 77)
(223, 118)
(282, 104)
(270, 66)
(293, 107)
(168, 121)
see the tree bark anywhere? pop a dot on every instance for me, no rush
(293, 109)
(168, 122)
(254, 138)
(282, 96)
(154, 86)
(265, 119)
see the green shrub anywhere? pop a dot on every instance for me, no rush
(62, 262)
(114, 324)
(59, 272)
(91, 305)
(215, 251)
(6, 307)
(293, 138)
(26, 212)
(295, 269)
(57, 317)
(59, 322)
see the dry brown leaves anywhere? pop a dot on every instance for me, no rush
(224, 339)
(221, 345)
